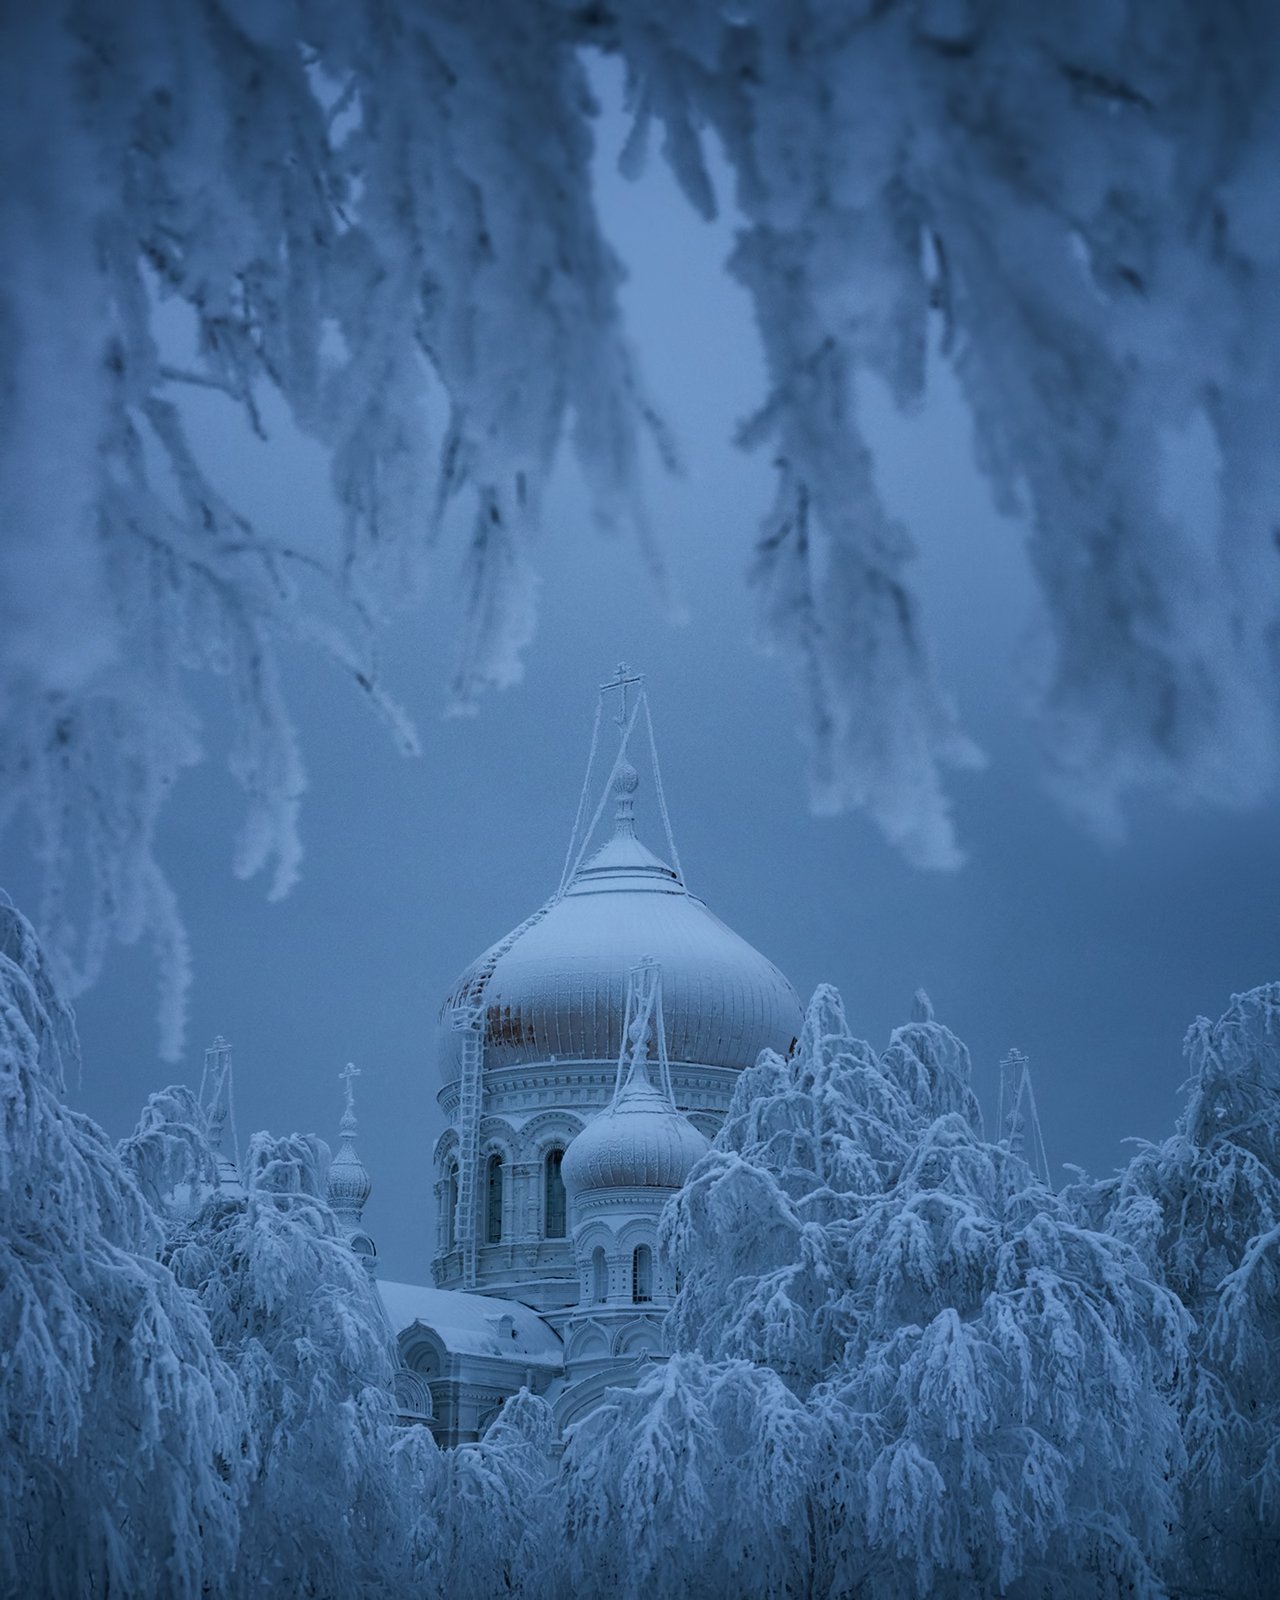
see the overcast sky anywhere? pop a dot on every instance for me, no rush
(1091, 959)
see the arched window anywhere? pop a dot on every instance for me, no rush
(493, 1201)
(642, 1275)
(553, 1194)
(599, 1276)
(451, 1208)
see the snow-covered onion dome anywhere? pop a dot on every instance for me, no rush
(556, 986)
(349, 1183)
(633, 1146)
(640, 1141)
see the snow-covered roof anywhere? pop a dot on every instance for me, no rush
(471, 1324)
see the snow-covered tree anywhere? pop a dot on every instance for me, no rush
(334, 1503)
(1204, 1207)
(493, 1509)
(989, 1387)
(378, 219)
(124, 1434)
(698, 1481)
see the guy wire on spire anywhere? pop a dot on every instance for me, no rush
(579, 841)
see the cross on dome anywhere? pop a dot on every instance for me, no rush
(622, 680)
(347, 1076)
(1018, 1116)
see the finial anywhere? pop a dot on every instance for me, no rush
(623, 780)
(626, 781)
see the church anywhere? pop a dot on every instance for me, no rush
(587, 1058)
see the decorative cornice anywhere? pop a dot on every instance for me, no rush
(541, 1077)
(647, 1199)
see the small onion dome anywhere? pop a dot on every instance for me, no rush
(640, 1142)
(349, 1185)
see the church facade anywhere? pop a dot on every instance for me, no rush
(587, 1058)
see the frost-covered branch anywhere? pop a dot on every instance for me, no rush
(1204, 1208)
(122, 1467)
(349, 210)
(379, 218)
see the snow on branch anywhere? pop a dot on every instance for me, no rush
(1083, 198)
(375, 215)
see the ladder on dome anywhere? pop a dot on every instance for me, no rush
(469, 1020)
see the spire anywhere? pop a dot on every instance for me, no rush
(626, 715)
(644, 1046)
(349, 1182)
(1018, 1118)
(218, 1104)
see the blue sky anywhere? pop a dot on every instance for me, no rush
(1091, 958)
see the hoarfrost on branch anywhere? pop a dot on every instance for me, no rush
(376, 214)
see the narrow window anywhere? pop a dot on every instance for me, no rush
(451, 1208)
(642, 1275)
(553, 1186)
(493, 1202)
(599, 1276)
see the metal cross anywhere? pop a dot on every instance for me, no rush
(622, 681)
(349, 1072)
